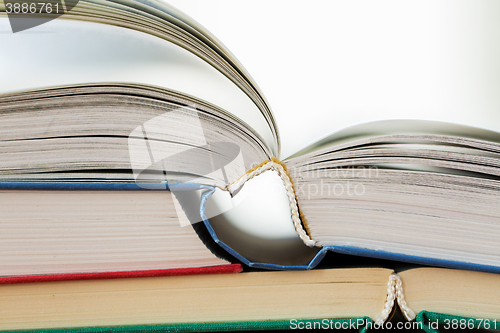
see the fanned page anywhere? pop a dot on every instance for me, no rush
(416, 191)
(331, 65)
(155, 57)
(123, 132)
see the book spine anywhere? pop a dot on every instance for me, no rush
(221, 269)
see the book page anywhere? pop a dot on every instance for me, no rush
(371, 132)
(64, 232)
(328, 65)
(70, 52)
(455, 292)
(252, 296)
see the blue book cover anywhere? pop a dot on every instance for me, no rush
(207, 192)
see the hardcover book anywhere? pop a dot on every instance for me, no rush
(73, 230)
(360, 298)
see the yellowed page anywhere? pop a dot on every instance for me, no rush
(338, 293)
(455, 292)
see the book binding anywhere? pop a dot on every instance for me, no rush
(207, 191)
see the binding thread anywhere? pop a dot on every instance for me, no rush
(394, 292)
(273, 166)
(389, 301)
(407, 312)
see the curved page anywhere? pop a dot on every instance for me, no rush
(72, 52)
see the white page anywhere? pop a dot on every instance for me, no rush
(327, 65)
(63, 52)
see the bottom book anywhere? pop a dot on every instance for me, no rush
(358, 298)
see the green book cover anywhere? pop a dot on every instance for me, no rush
(360, 324)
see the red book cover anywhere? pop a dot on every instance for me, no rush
(230, 268)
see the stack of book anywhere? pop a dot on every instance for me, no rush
(140, 161)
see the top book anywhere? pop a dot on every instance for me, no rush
(136, 91)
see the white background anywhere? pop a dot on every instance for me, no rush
(326, 65)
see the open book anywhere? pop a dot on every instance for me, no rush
(137, 92)
(420, 190)
(319, 299)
